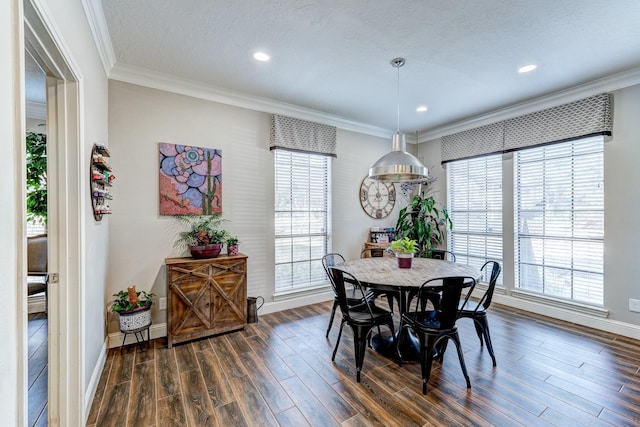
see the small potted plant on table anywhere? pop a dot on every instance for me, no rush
(404, 250)
(134, 310)
(205, 235)
(232, 245)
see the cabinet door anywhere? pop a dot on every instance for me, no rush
(228, 294)
(190, 300)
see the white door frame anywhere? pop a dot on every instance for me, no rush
(65, 222)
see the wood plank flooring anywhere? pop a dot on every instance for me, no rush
(278, 372)
(37, 376)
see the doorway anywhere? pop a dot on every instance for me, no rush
(37, 266)
(64, 381)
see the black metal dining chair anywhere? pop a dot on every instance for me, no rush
(435, 328)
(477, 310)
(331, 260)
(353, 298)
(361, 318)
(440, 254)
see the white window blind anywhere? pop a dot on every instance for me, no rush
(474, 200)
(301, 212)
(559, 220)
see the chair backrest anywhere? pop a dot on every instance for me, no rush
(331, 260)
(374, 252)
(339, 279)
(37, 257)
(494, 268)
(441, 254)
(451, 291)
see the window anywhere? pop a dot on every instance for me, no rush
(559, 220)
(474, 200)
(301, 212)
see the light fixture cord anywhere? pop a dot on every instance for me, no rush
(398, 102)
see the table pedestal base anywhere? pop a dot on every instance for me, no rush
(409, 348)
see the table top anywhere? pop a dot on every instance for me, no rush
(383, 272)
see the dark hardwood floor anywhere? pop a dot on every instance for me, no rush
(279, 372)
(37, 379)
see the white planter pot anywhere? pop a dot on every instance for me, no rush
(135, 320)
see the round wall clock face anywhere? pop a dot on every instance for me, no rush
(377, 197)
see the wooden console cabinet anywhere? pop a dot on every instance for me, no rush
(205, 296)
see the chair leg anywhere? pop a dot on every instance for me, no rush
(478, 327)
(333, 313)
(360, 334)
(483, 324)
(426, 358)
(333, 357)
(456, 341)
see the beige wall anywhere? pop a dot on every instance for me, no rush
(140, 239)
(622, 223)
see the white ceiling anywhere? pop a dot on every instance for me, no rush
(333, 56)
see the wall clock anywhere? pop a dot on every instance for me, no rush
(377, 198)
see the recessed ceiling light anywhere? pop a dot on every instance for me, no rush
(261, 56)
(527, 68)
(421, 109)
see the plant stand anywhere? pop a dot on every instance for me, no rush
(135, 322)
(142, 343)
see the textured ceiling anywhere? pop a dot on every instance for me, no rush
(333, 56)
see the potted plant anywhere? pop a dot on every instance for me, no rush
(425, 221)
(232, 245)
(36, 177)
(404, 250)
(133, 308)
(204, 236)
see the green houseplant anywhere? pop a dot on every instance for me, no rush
(133, 308)
(404, 249)
(204, 235)
(232, 245)
(425, 221)
(36, 177)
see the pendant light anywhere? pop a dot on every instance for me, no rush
(398, 165)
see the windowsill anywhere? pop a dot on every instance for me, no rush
(559, 303)
(301, 292)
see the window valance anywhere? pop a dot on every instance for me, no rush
(586, 117)
(300, 135)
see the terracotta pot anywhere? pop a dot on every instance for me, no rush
(206, 251)
(404, 260)
(232, 250)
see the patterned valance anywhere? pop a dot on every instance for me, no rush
(473, 142)
(586, 117)
(300, 135)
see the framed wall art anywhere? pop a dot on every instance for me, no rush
(190, 180)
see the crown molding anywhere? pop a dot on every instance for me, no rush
(153, 79)
(98, 25)
(606, 84)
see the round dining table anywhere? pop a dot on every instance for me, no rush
(383, 273)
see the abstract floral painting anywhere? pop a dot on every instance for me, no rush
(190, 180)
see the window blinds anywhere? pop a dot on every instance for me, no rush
(301, 212)
(559, 220)
(474, 200)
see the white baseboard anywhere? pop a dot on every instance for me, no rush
(93, 383)
(597, 322)
(155, 331)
